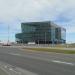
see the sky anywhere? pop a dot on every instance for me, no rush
(13, 12)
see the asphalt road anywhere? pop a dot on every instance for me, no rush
(39, 63)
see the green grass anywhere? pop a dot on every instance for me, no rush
(53, 50)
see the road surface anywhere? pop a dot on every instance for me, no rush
(39, 63)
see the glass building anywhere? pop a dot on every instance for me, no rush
(41, 33)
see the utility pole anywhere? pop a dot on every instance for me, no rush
(52, 36)
(38, 39)
(8, 33)
(38, 42)
(45, 37)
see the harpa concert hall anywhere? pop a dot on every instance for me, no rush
(41, 33)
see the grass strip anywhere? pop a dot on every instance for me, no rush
(53, 50)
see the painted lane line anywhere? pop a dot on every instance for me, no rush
(55, 61)
(15, 71)
(15, 54)
(60, 62)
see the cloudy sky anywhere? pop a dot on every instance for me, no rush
(13, 12)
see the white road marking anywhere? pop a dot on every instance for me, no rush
(5, 66)
(55, 61)
(15, 54)
(60, 62)
(14, 71)
(11, 69)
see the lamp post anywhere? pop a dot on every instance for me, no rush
(52, 36)
(38, 39)
(8, 34)
(38, 42)
(45, 37)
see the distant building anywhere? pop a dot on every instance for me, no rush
(41, 33)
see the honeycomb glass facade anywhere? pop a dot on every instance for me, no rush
(41, 32)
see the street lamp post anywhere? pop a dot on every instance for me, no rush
(38, 41)
(8, 33)
(52, 36)
(45, 37)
